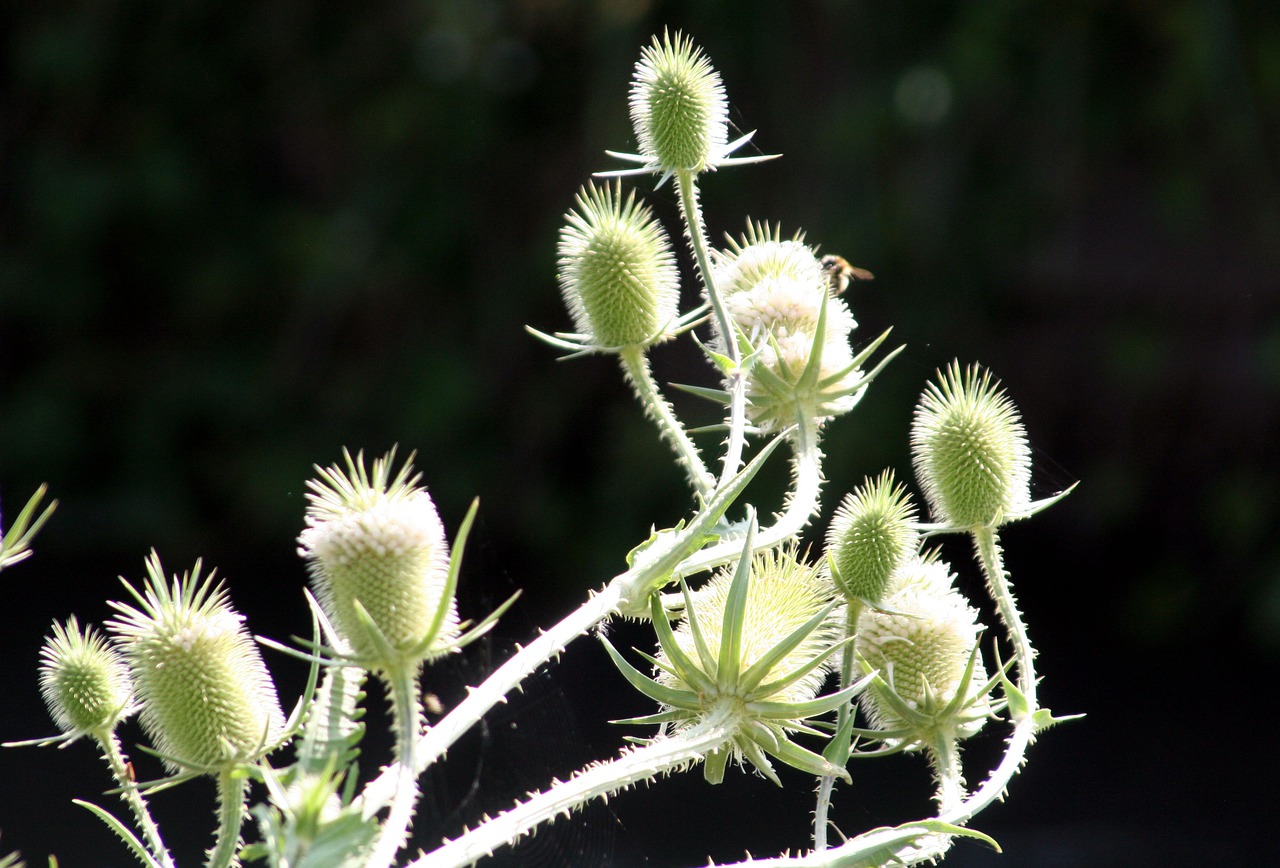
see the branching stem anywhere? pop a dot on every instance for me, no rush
(632, 766)
(635, 363)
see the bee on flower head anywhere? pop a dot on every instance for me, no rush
(840, 273)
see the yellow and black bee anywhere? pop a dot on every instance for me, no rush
(840, 273)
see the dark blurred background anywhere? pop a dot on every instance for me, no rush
(236, 237)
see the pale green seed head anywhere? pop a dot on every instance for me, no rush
(617, 271)
(922, 642)
(207, 700)
(678, 106)
(377, 541)
(870, 536)
(970, 451)
(85, 682)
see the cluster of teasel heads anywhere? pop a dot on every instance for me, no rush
(742, 660)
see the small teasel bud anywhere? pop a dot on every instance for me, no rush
(617, 271)
(970, 451)
(85, 682)
(207, 700)
(871, 535)
(375, 542)
(678, 106)
(922, 641)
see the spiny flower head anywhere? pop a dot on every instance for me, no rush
(779, 298)
(678, 106)
(754, 645)
(923, 643)
(617, 272)
(870, 536)
(379, 562)
(207, 700)
(680, 113)
(85, 682)
(970, 451)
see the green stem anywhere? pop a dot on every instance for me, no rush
(841, 755)
(402, 686)
(114, 755)
(232, 789)
(802, 504)
(992, 559)
(691, 210)
(944, 754)
(687, 184)
(495, 688)
(635, 363)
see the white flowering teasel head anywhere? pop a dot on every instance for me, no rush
(779, 300)
(84, 680)
(970, 450)
(617, 272)
(379, 563)
(208, 702)
(924, 645)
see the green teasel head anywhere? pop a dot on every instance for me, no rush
(617, 272)
(970, 450)
(871, 535)
(207, 700)
(84, 680)
(379, 563)
(678, 106)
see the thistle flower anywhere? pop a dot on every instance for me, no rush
(679, 111)
(85, 682)
(207, 700)
(379, 562)
(870, 536)
(755, 642)
(924, 644)
(970, 451)
(617, 272)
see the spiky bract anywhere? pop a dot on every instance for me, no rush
(616, 270)
(923, 642)
(85, 682)
(870, 536)
(374, 542)
(783, 594)
(970, 451)
(754, 645)
(207, 700)
(678, 106)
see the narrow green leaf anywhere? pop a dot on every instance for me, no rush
(685, 669)
(735, 613)
(753, 676)
(650, 688)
